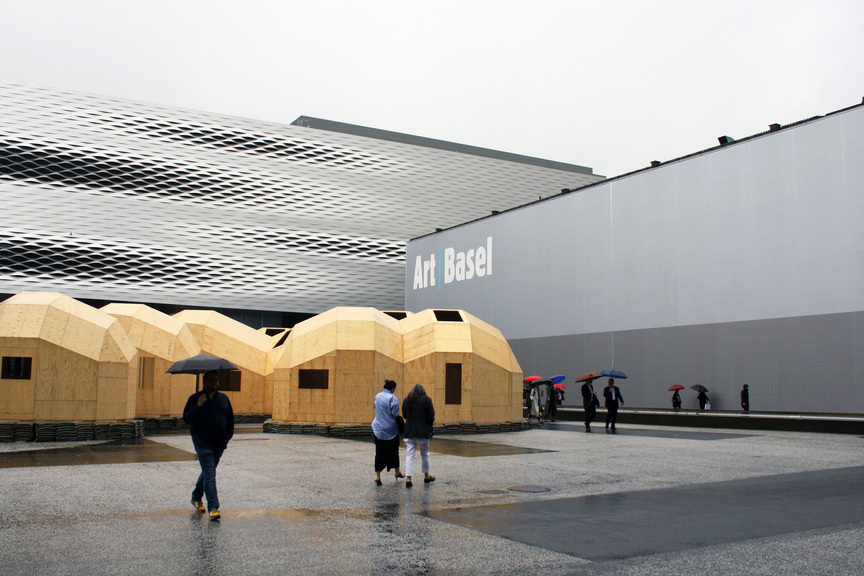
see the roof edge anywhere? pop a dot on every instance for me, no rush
(402, 138)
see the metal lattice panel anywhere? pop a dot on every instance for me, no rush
(110, 199)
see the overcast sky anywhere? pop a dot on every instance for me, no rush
(608, 84)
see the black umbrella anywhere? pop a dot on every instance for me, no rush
(698, 388)
(200, 364)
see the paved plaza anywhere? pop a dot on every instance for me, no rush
(551, 500)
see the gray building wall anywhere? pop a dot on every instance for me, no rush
(741, 264)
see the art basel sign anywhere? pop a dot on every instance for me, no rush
(450, 265)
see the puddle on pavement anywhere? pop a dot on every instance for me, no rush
(624, 430)
(114, 452)
(467, 449)
(680, 434)
(530, 489)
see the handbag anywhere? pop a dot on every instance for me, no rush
(400, 423)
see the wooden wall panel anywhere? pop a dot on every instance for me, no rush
(16, 399)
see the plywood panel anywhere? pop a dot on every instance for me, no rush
(112, 411)
(355, 362)
(13, 319)
(16, 399)
(112, 390)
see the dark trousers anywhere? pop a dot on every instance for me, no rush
(386, 453)
(590, 413)
(611, 415)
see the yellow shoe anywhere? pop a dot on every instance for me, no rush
(214, 514)
(199, 505)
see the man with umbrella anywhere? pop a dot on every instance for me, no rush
(589, 403)
(211, 423)
(702, 396)
(613, 398)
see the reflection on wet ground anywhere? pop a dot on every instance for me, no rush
(454, 447)
(114, 452)
(627, 431)
(468, 449)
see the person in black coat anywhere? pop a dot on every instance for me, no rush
(745, 398)
(211, 423)
(612, 397)
(419, 416)
(703, 399)
(589, 403)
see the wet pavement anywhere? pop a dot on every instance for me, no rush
(648, 500)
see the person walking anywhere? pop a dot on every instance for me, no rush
(543, 399)
(613, 398)
(553, 403)
(589, 403)
(676, 401)
(211, 424)
(745, 398)
(534, 404)
(419, 416)
(703, 399)
(385, 427)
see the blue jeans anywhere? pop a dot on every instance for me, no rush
(206, 484)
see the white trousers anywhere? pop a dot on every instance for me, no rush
(413, 444)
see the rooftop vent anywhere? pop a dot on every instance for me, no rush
(724, 140)
(774, 127)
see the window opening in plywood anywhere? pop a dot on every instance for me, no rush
(448, 316)
(453, 384)
(314, 379)
(16, 367)
(145, 373)
(230, 381)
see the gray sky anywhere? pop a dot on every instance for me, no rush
(608, 84)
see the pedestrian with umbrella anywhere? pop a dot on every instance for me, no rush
(211, 424)
(676, 397)
(704, 401)
(589, 397)
(613, 398)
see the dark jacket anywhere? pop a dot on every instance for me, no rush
(212, 423)
(419, 417)
(610, 402)
(588, 395)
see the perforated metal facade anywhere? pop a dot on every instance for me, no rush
(117, 200)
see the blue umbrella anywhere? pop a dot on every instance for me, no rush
(558, 378)
(613, 373)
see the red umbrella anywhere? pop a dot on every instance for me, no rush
(532, 378)
(589, 376)
(676, 387)
(560, 386)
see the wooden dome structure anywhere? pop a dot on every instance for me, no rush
(64, 360)
(218, 335)
(465, 364)
(332, 365)
(161, 341)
